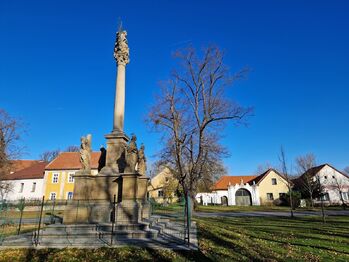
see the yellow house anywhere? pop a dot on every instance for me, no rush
(162, 187)
(59, 174)
(272, 185)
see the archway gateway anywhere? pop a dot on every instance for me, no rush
(243, 197)
(224, 201)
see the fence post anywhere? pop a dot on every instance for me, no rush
(53, 212)
(113, 221)
(21, 208)
(188, 215)
(39, 227)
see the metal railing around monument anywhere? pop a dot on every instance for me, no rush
(36, 218)
(172, 216)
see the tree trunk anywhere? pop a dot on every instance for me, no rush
(311, 201)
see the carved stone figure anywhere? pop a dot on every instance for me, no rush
(132, 155)
(85, 153)
(121, 50)
(142, 165)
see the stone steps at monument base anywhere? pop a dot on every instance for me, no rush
(131, 234)
(138, 226)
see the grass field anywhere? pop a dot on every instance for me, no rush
(227, 239)
(220, 208)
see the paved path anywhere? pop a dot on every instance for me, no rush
(271, 213)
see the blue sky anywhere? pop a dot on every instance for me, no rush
(57, 71)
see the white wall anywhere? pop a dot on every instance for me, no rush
(328, 177)
(15, 194)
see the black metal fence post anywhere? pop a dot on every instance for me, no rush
(39, 226)
(53, 212)
(113, 221)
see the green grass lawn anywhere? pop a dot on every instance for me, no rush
(227, 239)
(220, 208)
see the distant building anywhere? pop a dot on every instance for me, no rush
(59, 174)
(246, 190)
(334, 183)
(162, 187)
(27, 182)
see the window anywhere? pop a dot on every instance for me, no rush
(160, 193)
(345, 195)
(21, 188)
(273, 181)
(55, 178)
(71, 178)
(53, 196)
(282, 195)
(270, 196)
(325, 197)
(33, 186)
(70, 195)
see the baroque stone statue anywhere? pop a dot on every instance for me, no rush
(142, 165)
(131, 155)
(85, 153)
(121, 50)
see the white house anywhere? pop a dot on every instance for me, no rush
(26, 183)
(334, 183)
(246, 190)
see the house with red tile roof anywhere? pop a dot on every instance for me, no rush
(246, 190)
(59, 174)
(26, 181)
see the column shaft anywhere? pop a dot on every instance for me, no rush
(119, 106)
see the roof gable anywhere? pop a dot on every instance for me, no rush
(315, 170)
(262, 176)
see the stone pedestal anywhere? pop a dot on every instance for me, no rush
(94, 198)
(116, 159)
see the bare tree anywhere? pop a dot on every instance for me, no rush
(49, 155)
(340, 186)
(10, 133)
(72, 149)
(286, 173)
(307, 182)
(191, 112)
(321, 194)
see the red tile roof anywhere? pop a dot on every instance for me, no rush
(71, 160)
(34, 171)
(17, 165)
(223, 182)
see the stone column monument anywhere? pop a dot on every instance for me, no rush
(117, 139)
(120, 177)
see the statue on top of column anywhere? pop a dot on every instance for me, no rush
(121, 50)
(85, 153)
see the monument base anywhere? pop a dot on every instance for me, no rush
(96, 198)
